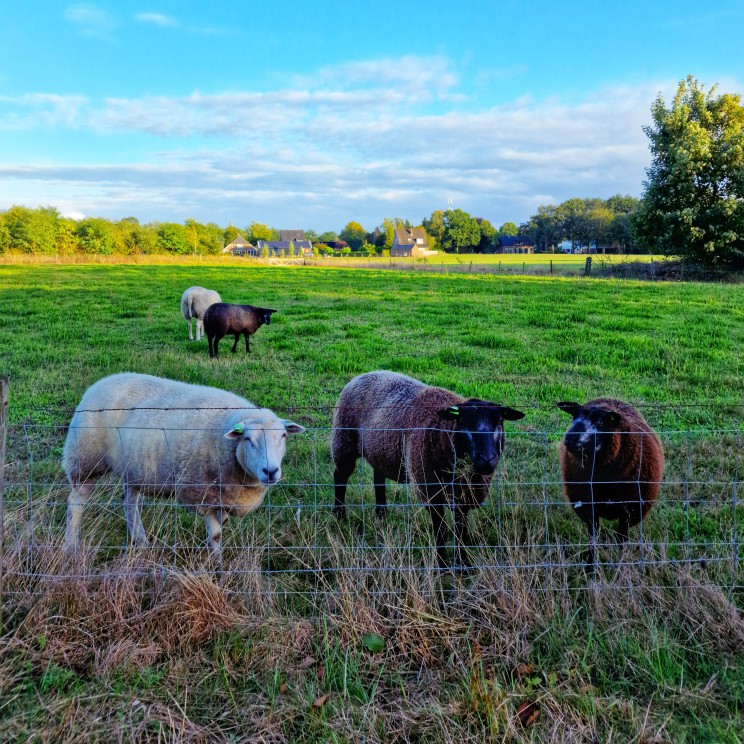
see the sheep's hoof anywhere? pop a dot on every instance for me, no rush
(340, 513)
(381, 511)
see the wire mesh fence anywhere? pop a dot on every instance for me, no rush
(293, 551)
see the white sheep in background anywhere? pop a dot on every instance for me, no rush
(213, 449)
(194, 303)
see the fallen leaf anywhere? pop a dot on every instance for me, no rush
(528, 713)
(523, 670)
(373, 642)
(282, 688)
(320, 674)
(587, 688)
(320, 702)
(307, 662)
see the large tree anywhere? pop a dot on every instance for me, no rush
(693, 203)
(354, 234)
(461, 231)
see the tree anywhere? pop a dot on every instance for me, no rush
(435, 227)
(489, 236)
(354, 234)
(693, 200)
(256, 231)
(508, 229)
(96, 236)
(461, 232)
(173, 238)
(328, 237)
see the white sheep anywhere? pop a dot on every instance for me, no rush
(194, 303)
(214, 450)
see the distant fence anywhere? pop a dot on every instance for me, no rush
(294, 550)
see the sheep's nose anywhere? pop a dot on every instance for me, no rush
(270, 474)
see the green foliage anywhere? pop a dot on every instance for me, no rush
(693, 203)
(606, 223)
(461, 231)
(173, 238)
(508, 228)
(96, 236)
(354, 234)
(328, 237)
(257, 231)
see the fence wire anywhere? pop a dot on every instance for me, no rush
(293, 548)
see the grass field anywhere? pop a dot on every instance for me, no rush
(647, 651)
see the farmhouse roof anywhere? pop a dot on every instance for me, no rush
(507, 240)
(291, 235)
(410, 235)
(237, 242)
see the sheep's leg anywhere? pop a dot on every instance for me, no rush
(213, 519)
(341, 476)
(191, 335)
(247, 343)
(212, 348)
(235, 345)
(75, 504)
(134, 522)
(380, 495)
(461, 534)
(199, 329)
(441, 532)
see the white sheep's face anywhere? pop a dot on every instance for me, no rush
(261, 444)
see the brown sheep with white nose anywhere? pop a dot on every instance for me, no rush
(612, 464)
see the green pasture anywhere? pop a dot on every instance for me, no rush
(674, 350)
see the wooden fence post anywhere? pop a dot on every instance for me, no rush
(551, 267)
(4, 385)
(588, 266)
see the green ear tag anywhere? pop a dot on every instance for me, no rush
(453, 410)
(238, 428)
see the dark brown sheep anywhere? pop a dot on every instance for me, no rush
(222, 319)
(446, 447)
(612, 464)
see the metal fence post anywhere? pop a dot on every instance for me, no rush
(4, 385)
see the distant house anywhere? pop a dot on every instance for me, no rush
(294, 235)
(290, 248)
(515, 244)
(337, 245)
(410, 241)
(240, 247)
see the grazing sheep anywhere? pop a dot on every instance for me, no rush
(422, 435)
(612, 463)
(194, 303)
(223, 318)
(214, 450)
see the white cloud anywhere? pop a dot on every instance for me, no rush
(157, 19)
(91, 20)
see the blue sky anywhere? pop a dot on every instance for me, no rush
(311, 114)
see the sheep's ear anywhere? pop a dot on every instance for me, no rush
(572, 409)
(236, 432)
(449, 414)
(293, 428)
(511, 414)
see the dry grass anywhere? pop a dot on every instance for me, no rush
(121, 649)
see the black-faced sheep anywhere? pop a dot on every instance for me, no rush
(612, 464)
(414, 433)
(194, 303)
(214, 450)
(223, 318)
